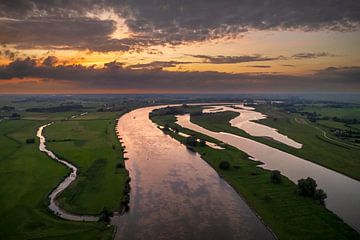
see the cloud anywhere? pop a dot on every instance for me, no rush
(65, 24)
(115, 76)
(50, 61)
(7, 53)
(309, 55)
(260, 66)
(157, 65)
(61, 33)
(236, 59)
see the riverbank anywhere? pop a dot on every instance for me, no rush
(315, 149)
(341, 157)
(90, 143)
(289, 215)
(27, 176)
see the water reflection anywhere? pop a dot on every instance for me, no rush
(343, 192)
(174, 193)
(245, 121)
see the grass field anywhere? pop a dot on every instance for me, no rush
(325, 111)
(289, 215)
(334, 154)
(90, 143)
(26, 177)
(316, 148)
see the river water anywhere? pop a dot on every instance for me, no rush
(343, 192)
(174, 193)
(245, 121)
(53, 206)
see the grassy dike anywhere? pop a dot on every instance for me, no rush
(315, 148)
(27, 176)
(90, 143)
(289, 215)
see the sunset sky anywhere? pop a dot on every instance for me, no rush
(168, 46)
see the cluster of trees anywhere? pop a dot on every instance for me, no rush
(346, 133)
(167, 111)
(60, 108)
(307, 188)
(7, 109)
(192, 141)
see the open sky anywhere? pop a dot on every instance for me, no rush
(179, 46)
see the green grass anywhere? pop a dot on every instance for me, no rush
(325, 111)
(289, 215)
(27, 176)
(316, 148)
(340, 157)
(91, 145)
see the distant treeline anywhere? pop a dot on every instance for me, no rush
(61, 108)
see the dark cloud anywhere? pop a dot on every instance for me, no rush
(260, 66)
(62, 33)
(157, 65)
(50, 61)
(7, 53)
(236, 59)
(63, 23)
(309, 55)
(115, 76)
(288, 65)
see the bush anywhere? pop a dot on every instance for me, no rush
(120, 165)
(30, 140)
(307, 187)
(191, 141)
(224, 165)
(320, 195)
(275, 176)
(105, 215)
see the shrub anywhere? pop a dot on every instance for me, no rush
(191, 141)
(320, 195)
(120, 165)
(30, 140)
(224, 165)
(105, 215)
(307, 187)
(275, 176)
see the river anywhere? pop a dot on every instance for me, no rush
(174, 193)
(343, 192)
(53, 206)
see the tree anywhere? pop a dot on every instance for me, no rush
(224, 165)
(30, 140)
(307, 187)
(191, 141)
(202, 143)
(105, 215)
(275, 176)
(320, 195)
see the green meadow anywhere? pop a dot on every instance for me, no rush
(27, 175)
(289, 215)
(90, 143)
(336, 155)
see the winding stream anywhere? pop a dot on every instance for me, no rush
(63, 185)
(343, 192)
(174, 193)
